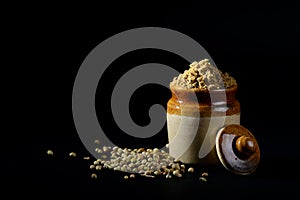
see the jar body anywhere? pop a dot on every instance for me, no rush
(194, 118)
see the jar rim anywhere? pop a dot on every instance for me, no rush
(199, 90)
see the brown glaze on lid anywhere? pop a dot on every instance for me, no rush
(237, 149)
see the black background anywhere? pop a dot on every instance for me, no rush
(256, 44)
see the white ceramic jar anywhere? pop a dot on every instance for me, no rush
(194, 117)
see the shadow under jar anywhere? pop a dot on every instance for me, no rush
(194, 117)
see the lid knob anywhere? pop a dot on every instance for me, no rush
(245, 146)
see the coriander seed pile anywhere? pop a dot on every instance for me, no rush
(144, 162)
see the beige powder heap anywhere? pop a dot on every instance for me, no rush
(203, 75)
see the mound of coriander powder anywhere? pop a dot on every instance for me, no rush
(203, 75)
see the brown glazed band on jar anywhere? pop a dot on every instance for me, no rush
(212, 108)
(191, 102)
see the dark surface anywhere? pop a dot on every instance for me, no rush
(258, 45)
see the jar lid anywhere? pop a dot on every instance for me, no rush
(237, 149)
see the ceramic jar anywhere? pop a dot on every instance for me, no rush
(194, 117)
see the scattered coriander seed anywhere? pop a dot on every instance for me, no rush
(204, 174)
(157, 172)
(118, 168)
(132, 176)
(177, 173)
(97, 141)
(94, 176)
(155, 150)
(72, 154)
(168, 176)
(203, 179)
(140, 150)
(92, 166)
(105, 148)
(50, 152)
(86, 158)
(150, 176)
(99, 151)
(191, 170)
(125, 177)
(96, 162)
(115, 148)
(98, 167)
(175, 166)
(148, 172)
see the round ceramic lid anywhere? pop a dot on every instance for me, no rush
(237, 149)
